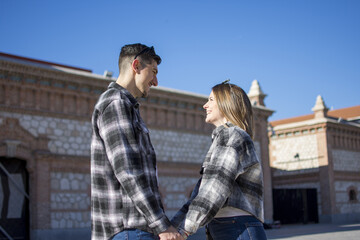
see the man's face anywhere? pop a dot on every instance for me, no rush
(146, 78)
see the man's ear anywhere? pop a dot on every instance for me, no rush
(135, 65)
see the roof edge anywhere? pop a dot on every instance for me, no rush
(16, 57)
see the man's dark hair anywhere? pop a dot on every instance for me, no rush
(136, 51)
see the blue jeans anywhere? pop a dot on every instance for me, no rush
(134, 234)
(236, 228)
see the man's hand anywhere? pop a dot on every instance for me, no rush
(170, 234)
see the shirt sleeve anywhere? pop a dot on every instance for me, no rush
(179, 217)
(122, 148)
(216, 186)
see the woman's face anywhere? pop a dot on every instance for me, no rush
(213, 114)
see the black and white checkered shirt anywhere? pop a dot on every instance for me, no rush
(231, 176)
(124, 187)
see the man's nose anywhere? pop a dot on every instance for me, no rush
(155, 81)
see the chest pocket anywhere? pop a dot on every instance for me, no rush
(146, 149)
(143, 137)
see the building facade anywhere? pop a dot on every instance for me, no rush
(315, 164)
(45, 132)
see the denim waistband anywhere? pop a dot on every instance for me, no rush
(239, 218)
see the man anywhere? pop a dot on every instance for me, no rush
(125, 199)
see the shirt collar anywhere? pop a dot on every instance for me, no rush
(133, 100)
(217, 130)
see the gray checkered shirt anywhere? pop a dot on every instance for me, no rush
(231, 176)
(124, 187)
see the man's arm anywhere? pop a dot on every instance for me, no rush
(116, 130)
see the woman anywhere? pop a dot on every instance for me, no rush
(229, 196)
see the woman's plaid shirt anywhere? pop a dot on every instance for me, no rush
(124, 187)
(231, 176)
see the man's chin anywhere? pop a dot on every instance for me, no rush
(144, 94)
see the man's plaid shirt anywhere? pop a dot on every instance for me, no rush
(231, 176)
(124, 187)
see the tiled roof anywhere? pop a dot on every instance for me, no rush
(292, 120)
(344, 113)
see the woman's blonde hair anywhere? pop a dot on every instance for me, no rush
(234, 103)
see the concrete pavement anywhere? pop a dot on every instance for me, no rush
(305, 232)
(315, 232)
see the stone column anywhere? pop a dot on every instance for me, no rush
(326, 176)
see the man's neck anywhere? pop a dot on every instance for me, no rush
(128, 84)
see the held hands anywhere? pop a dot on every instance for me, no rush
(170, 234)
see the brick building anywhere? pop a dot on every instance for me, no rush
(45, 131)
(315, 162)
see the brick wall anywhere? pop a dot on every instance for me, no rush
(45, 114)
(322, 153)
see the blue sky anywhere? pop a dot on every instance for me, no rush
(296, 49)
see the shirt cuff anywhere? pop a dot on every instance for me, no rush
(189, 226)
(160, 225)
(184, 233)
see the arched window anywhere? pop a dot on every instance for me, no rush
(352, 195)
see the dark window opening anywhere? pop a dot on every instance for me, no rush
(352, 195)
